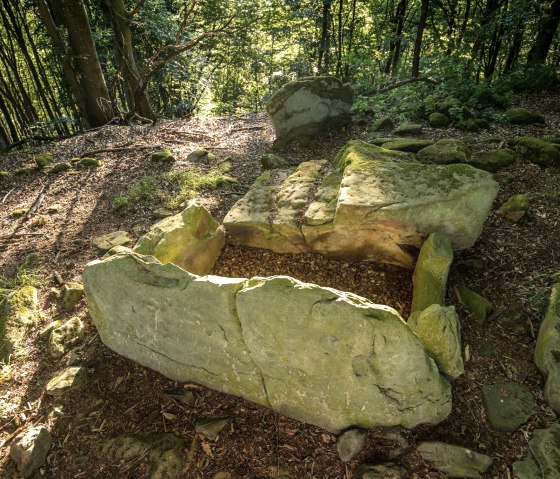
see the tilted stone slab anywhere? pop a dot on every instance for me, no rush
(547, 350)
(316, 354)
(308, 107)
(543, 456)
(270, 214)
(388, 203)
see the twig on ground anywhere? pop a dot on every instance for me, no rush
(6, 195)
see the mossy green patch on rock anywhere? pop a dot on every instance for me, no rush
(508, 405)
(379, 140)
(384, 123)
(18, 311)
(407, 145)
(473, 302)
(163, 156)
(492, 160)
(4, 174)
(271, 162)
(409, 129)
(65, 337)
(468, 124)
(444, 152)
(515, 203)
(538, 151)
(522, 116)
(25, 171)
(60, 167)
(439, 120)
(43, 159)
(71, 294)
(20, 211)
(201, 156)
(482, 123)
(88, 163)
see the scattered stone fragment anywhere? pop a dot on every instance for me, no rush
(65, 337)
(19, 211)
(191, 239)
(54, 208)
(473, 302)
(88, 162)
(46, 331)
(25, 171)
(272, 162)
(455, 461)
(350, 443)
(409, 129)
(387, 470)
(209, 330)
(222, 475)
(43, 159)
(430, 274)
(543, 456)
(407, 145)
(116, 250)
(468, 124)
(482, 123)
(17, 312)
(308, 107)
(522, 116)
(382, 124)
(60, 167)
(508, 405)
(163, 156)
(515, 207)
(492, 160)
(439, 120)
(444, 152)
(29, 450)
(107, 241)
(547, 350)
(201, 156)
(187, 397)
(211, 427)
(538, 151)
(71, 294)
(69, 379)
(163, 451)
(162, 213)
(438, 328)
(396, 442)
(4, 174)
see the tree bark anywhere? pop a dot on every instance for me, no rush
(541, 47)
(419, 34)
(323, 62)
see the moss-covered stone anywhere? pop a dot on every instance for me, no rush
(382, 124)
(44, 159)
(515, 207)
(407, 145)
(163, 156)
(89, 163)
(543, 455)
(116, 238)
(201, 156)
(20, 211)
(448, 105)
(538, 151)
(444, 152)
(473, 302)
(54, 208)
(4, 174)
(482, 123)
(18, 311)
(71, 294)
(468, 124)
(272, 162)
(60, 167)
(455, 461)
(439, 120)
(25, 171)
(380, 140)
(522, 116)
(492, 160)
(508, 405)
(409, 129)
(430, 274)
(65, 337)
(74, 377)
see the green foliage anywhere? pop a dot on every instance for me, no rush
(170, 190)
(24, 276)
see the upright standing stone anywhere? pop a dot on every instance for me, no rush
(547, 350)
(29, 450)
(308, 107)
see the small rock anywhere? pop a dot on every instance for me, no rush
(87, 162)
(60, 167)
(4, 174)
(201, 156)
(538, 151)
(116, 250)
(407, 145)
(397, 442)
(492, 160)
(439, 120)
(387, 470)
(109, 240)
(182, 397)
(468, 124)
(19, 211)
(65, 337)
(454, 461)
(482, 123)
(71, 378)
(211, 427)
(384, 123)
(54, 208)
(222, 475)
(163, 156)
(43, 159)
(350, 443)
(521, 116)
(508, 405)
(71, 294)
(162, 213)
(444, 152)
(25, 171)
(29, 450)
(473, 302)
(17, 312)
(46, 331)
(409, 129)
(272, 162)
(515, 207)
(543, 456)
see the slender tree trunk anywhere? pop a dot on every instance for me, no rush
(340, 39)
(541, 47)
(419, 34)
(350, 39)
(515, 48)
(401, 12)
(8, 121)
(323, 62)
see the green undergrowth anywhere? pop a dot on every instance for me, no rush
(171, 190)
(24, 277)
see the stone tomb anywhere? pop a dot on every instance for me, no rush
(325, 357)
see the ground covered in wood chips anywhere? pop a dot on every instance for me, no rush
(513, 265)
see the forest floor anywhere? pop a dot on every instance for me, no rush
(512, 264)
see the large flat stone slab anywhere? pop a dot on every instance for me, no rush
(316, 354)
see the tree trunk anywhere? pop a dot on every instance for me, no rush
(419, 35)
(72, 14)
(539, 50)
(323, 62)
(401, 12)
(136, 96)
(516, 43)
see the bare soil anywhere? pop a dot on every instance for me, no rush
(512, 264)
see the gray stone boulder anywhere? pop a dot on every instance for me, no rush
(438, 328)
(455, 461)
(379, 471)
(508, 405)
(308, 107)
(543, 456)
(547, 350)
(350, 443)
(29, 450)
(71, 378)
(328, 358)
(191, 239)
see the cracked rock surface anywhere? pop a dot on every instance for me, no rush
(316, 354)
